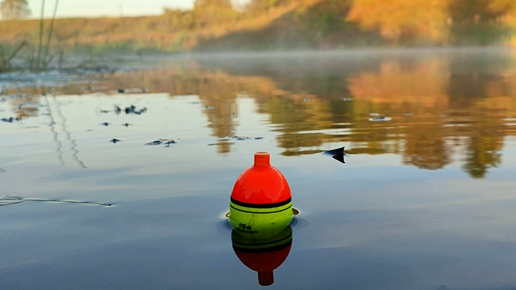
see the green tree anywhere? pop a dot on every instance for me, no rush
(14, 9)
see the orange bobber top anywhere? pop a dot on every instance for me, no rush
(261, 184)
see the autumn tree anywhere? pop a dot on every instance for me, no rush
(179, 19)
(398, 19)
(210, 12)
(437, 21)
(480, 21)
(257, 6)
(14, 9)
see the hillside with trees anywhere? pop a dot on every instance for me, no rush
(216, 25)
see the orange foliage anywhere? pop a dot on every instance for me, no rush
(398, 18)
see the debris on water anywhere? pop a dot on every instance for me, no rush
(208, 108)
(140, 111)
(101, 111)
(153, 143)
(219, 143)
(128, 91)
(337, 154)
(130, 110)
(347, 99)
(166, 142)
(89, 130)
(380, 119)
(374, 114)
(8, 120)
(105, 124)
(241, 138)
(307, 99)
(11, 119)
(126, 125)
(115, 141)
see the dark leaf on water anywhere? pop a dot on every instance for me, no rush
(337, 154)
(335, 151)
(339, 157)
(154, 143)
(167, 142)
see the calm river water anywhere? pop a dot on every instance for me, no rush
(425, 200)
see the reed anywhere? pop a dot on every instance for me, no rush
(47, 58)
(5, 61)
(40, 58)
(41, 27)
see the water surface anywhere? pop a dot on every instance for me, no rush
(424, 200)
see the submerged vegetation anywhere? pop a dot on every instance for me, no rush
(217, 25)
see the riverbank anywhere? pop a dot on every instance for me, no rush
(293, 25)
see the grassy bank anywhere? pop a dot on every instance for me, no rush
(292, 24)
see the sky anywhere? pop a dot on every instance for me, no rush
(95, 8)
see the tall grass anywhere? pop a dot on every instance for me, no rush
(44, 58)
(5, 61)
(51, 30)
(38, 59)
(41, 25)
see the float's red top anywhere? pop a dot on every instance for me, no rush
(261, 184)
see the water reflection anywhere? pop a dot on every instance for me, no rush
(263, 255)
(445, 107)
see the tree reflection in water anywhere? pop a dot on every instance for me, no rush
(445, 106)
